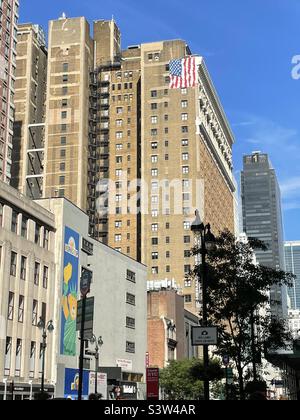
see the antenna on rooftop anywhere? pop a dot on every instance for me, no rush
(63, 16)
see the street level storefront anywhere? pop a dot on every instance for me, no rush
(19, 391)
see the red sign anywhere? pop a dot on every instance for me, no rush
(152, 384)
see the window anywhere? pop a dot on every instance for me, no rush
(167, 225)
(130, 323)
(35, 313)
(119, 147)
(119, 135)
(63, 141)
(154, 213)
(166, 130)
(154, 241)
(14, 222)
(119, 123)
(168, 254)
(119, 110)
(154, 145)
(187, 239)
(184, 91)
(185, 129)
(13, 264)
(46, 239)
(154, 106)
(63, 153)
(119, 172)
(32, 359)
(21, 309)
(118, 238)
(130, 347)
(185, 170)
(64, 115)
(65, 78)
(187, 269)
(62, 180)
(168, 239)
(184, 104)
(154, 158)
(119, 159)
(154, 172)
(65, 90)
(154, 132)
(45, 277)
(154, 227)
(37, 270)
(154, 94)
(168, 269)
(8, 356)
(131, 276)
(130, 299)
(188, 298)
(23, 268)
(11, 306)
(185, 184)
(154, 255)
(187, 283)
(184, 117)
(154, 120)
(18, 358)
(24, 226)
(186, 225)
(62, 166)
(154, 270)
(65, 67)
(118, 224)
(184, 142)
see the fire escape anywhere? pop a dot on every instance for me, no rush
(99, 150)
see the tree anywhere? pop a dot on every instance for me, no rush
(238, 301)
(183, 380)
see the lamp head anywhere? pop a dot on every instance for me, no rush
(41, 324)
(197, 225)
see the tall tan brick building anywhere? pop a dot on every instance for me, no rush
(30, 97)
(137, 156)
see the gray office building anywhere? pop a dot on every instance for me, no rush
(292, 264)
(262, 218)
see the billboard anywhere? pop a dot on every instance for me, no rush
(68, 337)
(72, 383)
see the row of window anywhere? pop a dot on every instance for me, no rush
(21, 309)
(18, 357)
(154, 131)
(155, 118)
(23, 270)
(154, 105)
(42, 240)
(155, 93)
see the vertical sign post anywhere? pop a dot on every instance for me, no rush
(152, 384)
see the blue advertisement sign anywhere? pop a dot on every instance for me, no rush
(72, 383)
(68, 338)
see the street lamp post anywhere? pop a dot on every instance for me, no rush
(203, 232)
(98, 344)
(49, 327)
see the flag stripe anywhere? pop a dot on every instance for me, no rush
(183, 73)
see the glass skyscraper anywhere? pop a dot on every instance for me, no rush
(292, 263)
(262, 218)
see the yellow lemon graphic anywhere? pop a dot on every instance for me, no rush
(68, 270)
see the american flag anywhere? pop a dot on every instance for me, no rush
(183, 73)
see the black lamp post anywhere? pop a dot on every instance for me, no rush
(204, 234)
(44, 328)
(98, 344)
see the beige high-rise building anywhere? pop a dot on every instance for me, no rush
(29, 125)
(137, 156)
(70, 154)
(9, 14)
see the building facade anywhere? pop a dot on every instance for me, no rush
(27, 291)
(292, 265)
(8, 45)
(44, 246)
(30, 100)
(262, 218)
(169, 327)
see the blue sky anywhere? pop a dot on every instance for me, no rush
(248, 46)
